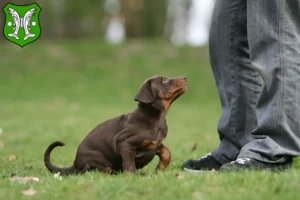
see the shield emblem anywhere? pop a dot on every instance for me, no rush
(22, 24)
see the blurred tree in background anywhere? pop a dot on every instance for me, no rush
(116, 20)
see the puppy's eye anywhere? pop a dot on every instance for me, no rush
(164, 80)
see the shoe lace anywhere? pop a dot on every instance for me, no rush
(207, 155)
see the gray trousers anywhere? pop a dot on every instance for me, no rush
(254, 48)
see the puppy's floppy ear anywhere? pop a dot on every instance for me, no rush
(145, 94)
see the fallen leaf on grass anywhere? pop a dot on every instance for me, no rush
(194, 147)
(196, 194)
(12, 157)
(58, 176)
(179, 176)
(26, 179)
(129, 194)
(29, 192)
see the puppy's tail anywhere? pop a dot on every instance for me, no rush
(52, 168)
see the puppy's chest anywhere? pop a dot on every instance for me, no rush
(156, 138)
(161, 132)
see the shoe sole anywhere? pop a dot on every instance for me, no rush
(258, 168)
(196, 171)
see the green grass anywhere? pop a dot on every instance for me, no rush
(60, 90)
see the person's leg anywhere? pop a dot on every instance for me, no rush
(238, 84)
(274, 43)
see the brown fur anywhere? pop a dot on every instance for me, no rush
(130, 141)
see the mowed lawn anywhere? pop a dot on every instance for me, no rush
(60, 90)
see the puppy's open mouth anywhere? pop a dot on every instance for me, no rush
(182, 88)
(178, 92)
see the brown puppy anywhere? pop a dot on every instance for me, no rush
(130, 141)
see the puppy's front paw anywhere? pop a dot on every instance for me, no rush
(161, 167)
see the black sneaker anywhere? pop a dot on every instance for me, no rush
(205, 163)
(252, 164)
